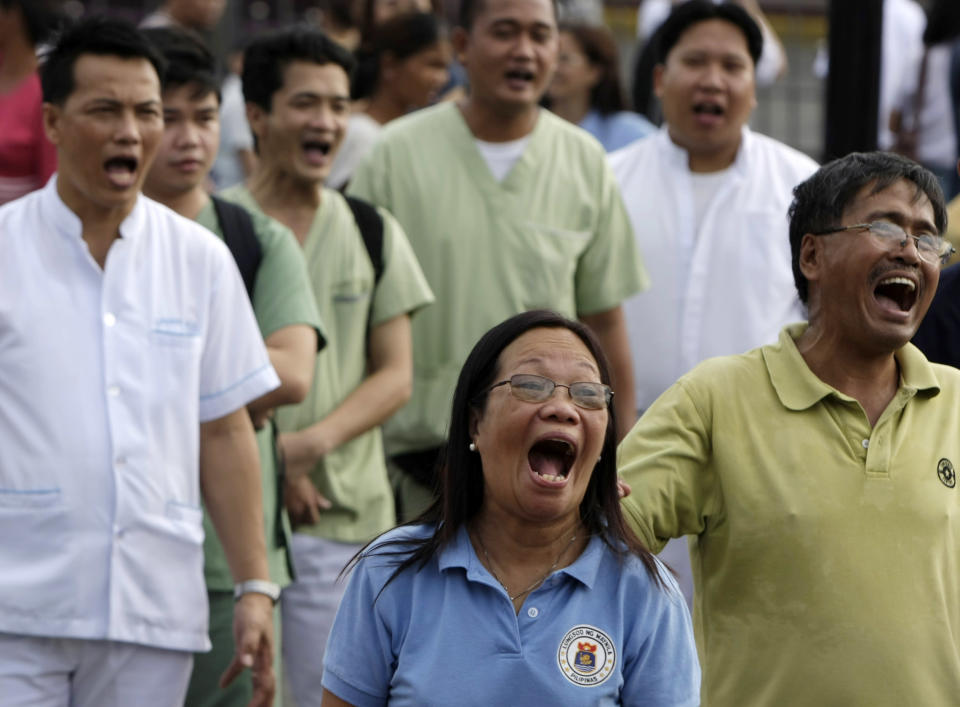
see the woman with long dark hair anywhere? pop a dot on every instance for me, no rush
(522, 583)
(587, 89)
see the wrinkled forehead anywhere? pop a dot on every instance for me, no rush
(109, 75)
(539, 349)
(878, 198)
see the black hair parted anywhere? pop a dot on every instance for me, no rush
(41, 18)
(689, 13)
(460, 471)
(471, 9)
(188, 61)
(819, 202)
(99, 36)
(267, 57)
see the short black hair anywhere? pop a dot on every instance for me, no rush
(470, 9)
(41, 18)
(819, 202)
(188, 59)
(100, 36)
(267, 57)
(689, 13)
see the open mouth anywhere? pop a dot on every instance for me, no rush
(519, 75)
(552, 459)
(121, 171)
(901, 292)
(316, 151)
(708, 114)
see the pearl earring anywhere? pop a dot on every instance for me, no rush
(473, 447)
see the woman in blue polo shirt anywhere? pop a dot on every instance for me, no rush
(522, 583)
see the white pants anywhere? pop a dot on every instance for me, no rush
(307, 609)
(69, 672)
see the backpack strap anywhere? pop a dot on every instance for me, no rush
(238, 234)
(370, 224)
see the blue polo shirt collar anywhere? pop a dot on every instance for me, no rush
(460, 554)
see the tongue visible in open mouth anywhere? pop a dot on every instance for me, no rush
(900, 292)
(121, 171)
(551, 459)
(316, 150)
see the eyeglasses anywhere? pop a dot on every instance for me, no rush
(931, 247)
(537, 389)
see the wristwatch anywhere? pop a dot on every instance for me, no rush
(257, 586)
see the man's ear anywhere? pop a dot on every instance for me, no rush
(658, 80)
(459, 40)
(257, 119)
(52, 114)
(811, 257)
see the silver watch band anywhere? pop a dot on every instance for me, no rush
(257, 586)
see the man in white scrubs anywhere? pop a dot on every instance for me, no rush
(128, 352)
(708, 202)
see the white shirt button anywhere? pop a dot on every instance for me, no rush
(113, 391)
(865, 443)
(109, 319)
(121, 461)
(533, 612)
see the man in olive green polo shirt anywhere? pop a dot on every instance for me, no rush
(816, 475)
(296, 85)
(285, 311)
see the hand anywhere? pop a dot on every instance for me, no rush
(623, 488)
(253, 638)
(303, 501)
(300, 452)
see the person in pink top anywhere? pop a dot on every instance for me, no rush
(27, 159)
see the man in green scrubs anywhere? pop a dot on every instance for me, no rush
(817, 475)
(296, 85)
(284, 307)
(508, 208)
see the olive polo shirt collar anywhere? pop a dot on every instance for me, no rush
(798, 388)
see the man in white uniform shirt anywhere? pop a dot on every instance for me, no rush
(128, 352)
(708, 202)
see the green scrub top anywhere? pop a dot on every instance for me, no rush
(281, 297)
(353, 476)
(553, 234)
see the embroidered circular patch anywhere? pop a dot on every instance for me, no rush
(946, 473)
(587, 656)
